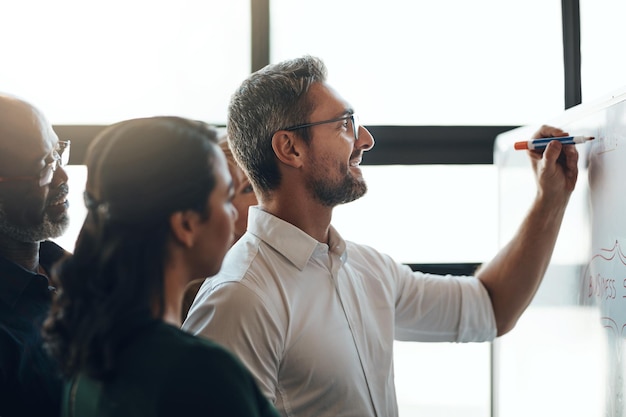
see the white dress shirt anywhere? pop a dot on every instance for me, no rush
(315, 323)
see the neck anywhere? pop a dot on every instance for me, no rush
(177, 276)
(310, 217)
(172, 315)
(24, 254)
(173, 303)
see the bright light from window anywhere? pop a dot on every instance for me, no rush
(425, 213)
(447, 62)
(601, 43)
(87, 62)
(77, 177)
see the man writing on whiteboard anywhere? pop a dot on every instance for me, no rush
(314, 316)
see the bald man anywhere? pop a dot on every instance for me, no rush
(33, 209)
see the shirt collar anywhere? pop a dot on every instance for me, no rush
(14, 279)
(287, 239)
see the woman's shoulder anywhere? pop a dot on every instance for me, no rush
(202, 353)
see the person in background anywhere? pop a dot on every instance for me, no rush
(244, 192)
(33, 209)
(314, 316)
(160, 214)
(244, 198)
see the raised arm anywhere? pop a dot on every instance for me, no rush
(513, 276)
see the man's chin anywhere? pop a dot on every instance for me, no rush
(355, 196)
(56, 229)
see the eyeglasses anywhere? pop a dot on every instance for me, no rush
(60, 155)
(352, 117)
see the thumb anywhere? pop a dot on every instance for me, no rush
(552, 151)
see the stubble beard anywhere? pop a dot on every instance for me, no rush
(331, 194)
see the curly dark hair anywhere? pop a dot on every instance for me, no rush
(140, 171)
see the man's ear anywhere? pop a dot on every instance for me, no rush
(288, 148)
(182, 224)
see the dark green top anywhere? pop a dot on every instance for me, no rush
(167, 372)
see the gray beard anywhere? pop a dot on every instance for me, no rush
(45, 230)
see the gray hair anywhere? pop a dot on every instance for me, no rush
(269, 100)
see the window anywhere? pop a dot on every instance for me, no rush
(425, 213)
(449, 62)
(601, 39)
(101, 62)
(77, 177)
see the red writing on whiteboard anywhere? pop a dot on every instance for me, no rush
(603, 288)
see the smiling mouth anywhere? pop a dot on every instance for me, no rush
(355, 162)
(59, 201)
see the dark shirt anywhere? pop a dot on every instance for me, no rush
(29, 380)
(165, 372)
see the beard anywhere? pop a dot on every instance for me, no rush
(46, 229)
(332, 193)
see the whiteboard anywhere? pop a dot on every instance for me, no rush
(566, 356)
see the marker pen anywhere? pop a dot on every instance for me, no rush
(543, 142)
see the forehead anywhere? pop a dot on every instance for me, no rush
(26, 137)
(326, 101)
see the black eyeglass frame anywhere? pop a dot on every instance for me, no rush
(60, 155)
(353, 117)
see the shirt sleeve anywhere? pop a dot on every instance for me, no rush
(428, 307)
(436, 308)
(237, 318)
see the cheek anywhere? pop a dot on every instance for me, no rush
(221, 232)
(227, 221)
(26, 209)
(241, 203)
(242, 220)
(331, 163)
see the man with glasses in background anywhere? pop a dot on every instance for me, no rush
(314, 316)
(33, 209)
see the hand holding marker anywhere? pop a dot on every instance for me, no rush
(543, 142)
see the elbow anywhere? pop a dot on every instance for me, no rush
(505, 326)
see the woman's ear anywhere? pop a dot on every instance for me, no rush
(182, 224)
(287, 147)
